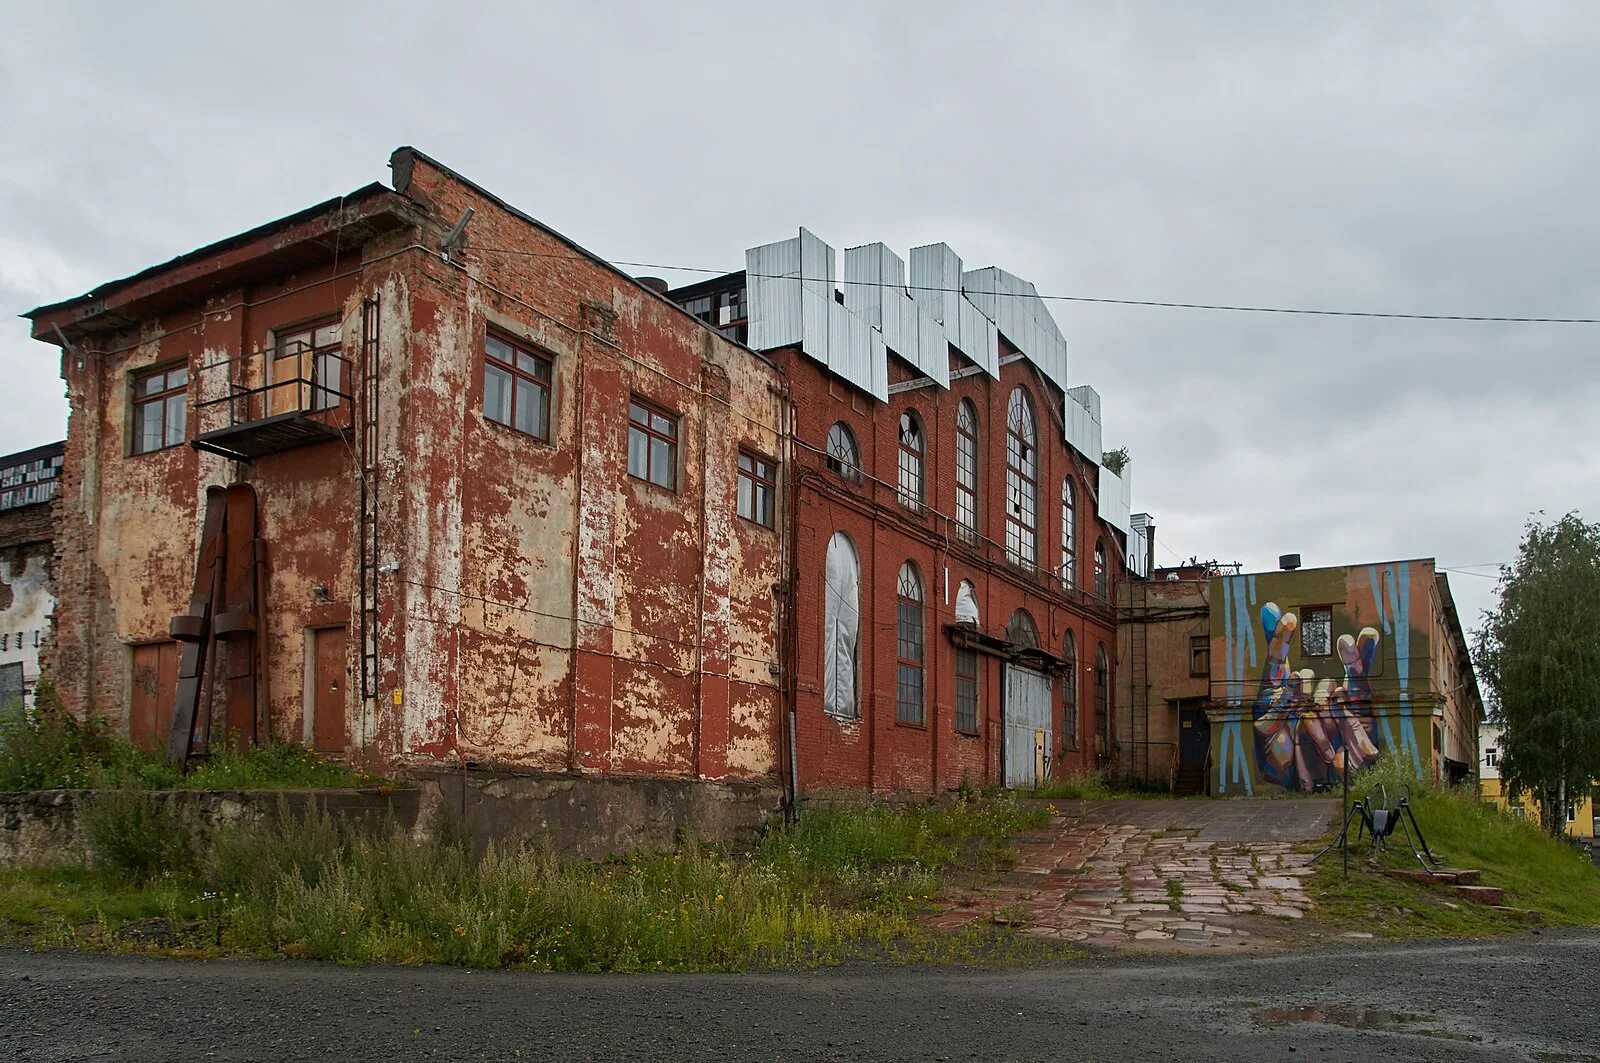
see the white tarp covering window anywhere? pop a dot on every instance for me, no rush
(841, 627)
(966, 604)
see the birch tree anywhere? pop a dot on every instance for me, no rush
(1539, 656)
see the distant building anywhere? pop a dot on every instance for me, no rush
(1163, 678)
(27, 588)
(1578, 814)
(1311, 669)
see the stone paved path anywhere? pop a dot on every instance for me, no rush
(1165, 874)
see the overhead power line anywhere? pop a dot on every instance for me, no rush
(1104, 300)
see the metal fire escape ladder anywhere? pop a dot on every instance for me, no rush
(367, 521)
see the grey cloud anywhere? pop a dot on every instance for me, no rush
(1434, 157)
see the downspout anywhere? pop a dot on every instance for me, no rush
(788, 577)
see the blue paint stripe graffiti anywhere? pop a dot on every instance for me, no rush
(1401, 608)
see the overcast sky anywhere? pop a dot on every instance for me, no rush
(1435, 158)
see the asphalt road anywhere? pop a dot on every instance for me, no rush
(1532, 998)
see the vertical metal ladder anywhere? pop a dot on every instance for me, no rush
(367, 520)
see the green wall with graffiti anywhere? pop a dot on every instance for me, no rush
(1318, 668)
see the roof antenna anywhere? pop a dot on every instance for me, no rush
(67, 344)
(458, 235)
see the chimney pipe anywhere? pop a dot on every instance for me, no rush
(655, 284)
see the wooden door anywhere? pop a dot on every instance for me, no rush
(329, 678)
(154, 687)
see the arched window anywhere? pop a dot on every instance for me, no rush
(967, 471)
(967, 603)
(908, 647)
(911, 446)
(1102, 701)
(1100, 582)
(1022, 489)
(841, 623)
(1022, 631)
(1069, 693)
(1069, 534)
(844, 456)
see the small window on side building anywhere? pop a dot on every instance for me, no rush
(652, 444)
(160, 408)
(1199, 655)
(758, 484)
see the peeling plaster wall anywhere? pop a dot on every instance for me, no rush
(557, 613)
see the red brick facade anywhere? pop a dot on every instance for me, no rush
(876, 752)
(538, 607)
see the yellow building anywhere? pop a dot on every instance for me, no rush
(1579, 811)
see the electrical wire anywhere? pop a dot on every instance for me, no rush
(1105, 300)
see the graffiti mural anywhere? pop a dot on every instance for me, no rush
(1320, 669)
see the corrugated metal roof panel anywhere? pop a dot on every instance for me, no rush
(772, 286)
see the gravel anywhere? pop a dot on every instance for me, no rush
(1524, 998)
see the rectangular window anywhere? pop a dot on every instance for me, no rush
(758, 483)
(1199, 655)
(700, 306)
(160, 408)
(516, 387)
(652, 444)
(966, 692)
(1316, 631)
(1491, 757)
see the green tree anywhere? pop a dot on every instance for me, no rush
(1539, 655)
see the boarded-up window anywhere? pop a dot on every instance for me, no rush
(1069, 693)
(1316, 631)
(841, 624)
(967, 604)
(1102, 701)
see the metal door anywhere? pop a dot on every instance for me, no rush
(329, 668)
(1026, 727)
(1194, 737)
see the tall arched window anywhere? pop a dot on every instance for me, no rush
(1102, 701)
(911, 447)
(1100, 581)
(967, 471)
(1022, 631)
(841, 624)
(1069, 693)
(1069, 534)
(1022, 489)
(844, 456)
(908, 647)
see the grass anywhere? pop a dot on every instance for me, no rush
(1537, 872)
(842, 883)
(49, 749)
(1095, 785)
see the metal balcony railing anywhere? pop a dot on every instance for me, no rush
(278, 398)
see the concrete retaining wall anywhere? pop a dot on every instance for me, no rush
(590, 817)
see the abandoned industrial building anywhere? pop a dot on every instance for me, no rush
(1241, 683)
(28, 483)
(412, 479)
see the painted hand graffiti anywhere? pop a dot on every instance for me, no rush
(1305, 728)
